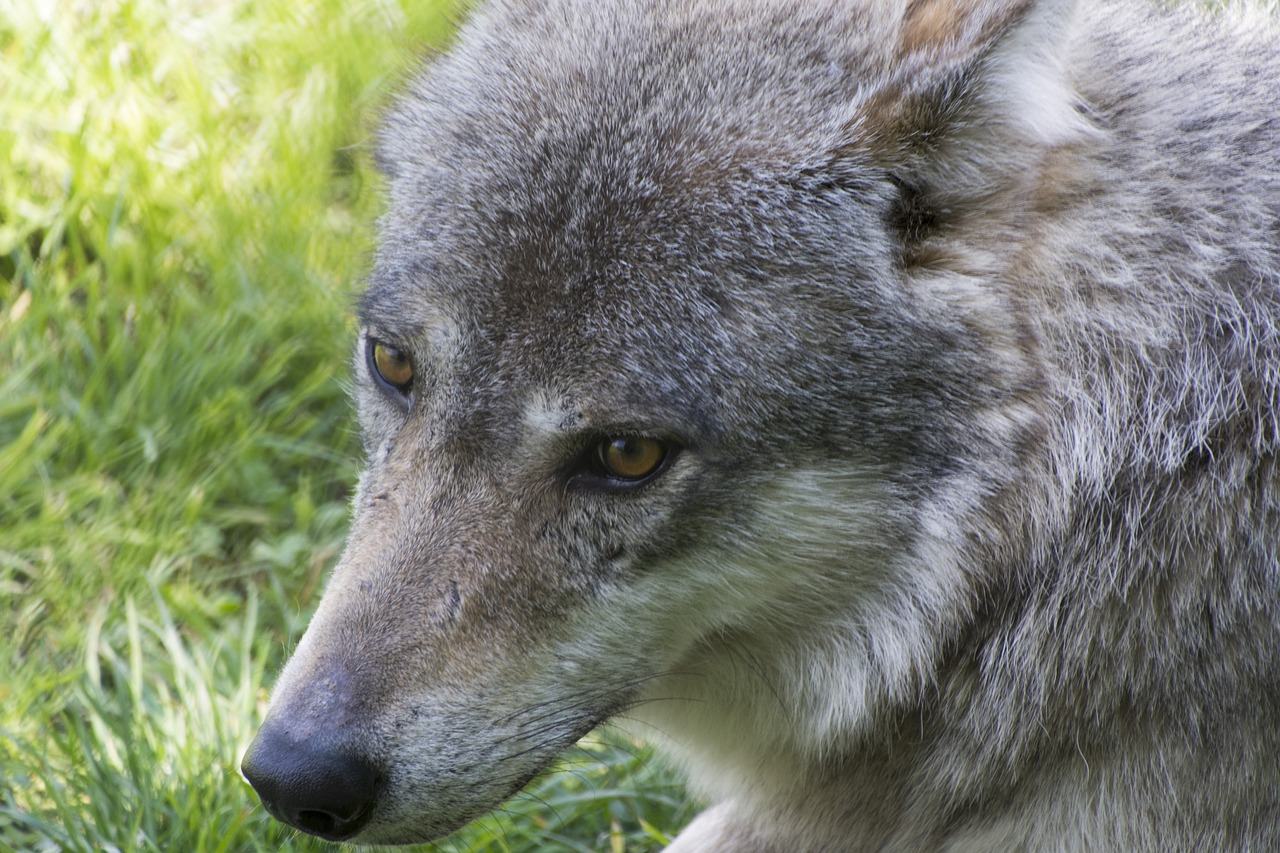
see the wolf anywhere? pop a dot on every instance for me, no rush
(875, 402)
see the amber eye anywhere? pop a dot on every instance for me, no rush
(390, 366)
(631, 457)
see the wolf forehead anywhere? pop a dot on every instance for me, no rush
(619, 198)
(674, 90)
(584, 148)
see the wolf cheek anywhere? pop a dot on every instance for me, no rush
(415, 703)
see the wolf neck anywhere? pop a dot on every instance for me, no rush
(1128, 625)
(1137, 631)
(1087, 664)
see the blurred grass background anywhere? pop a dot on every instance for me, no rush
(186, 201)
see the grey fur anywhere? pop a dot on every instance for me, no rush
(965, 318)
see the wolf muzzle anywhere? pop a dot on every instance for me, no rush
(307, 780)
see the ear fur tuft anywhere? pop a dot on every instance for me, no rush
(940, 27)
(999, 66)
(978, 92)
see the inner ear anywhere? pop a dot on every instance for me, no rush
(911, 218)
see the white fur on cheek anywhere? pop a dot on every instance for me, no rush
(752, 679)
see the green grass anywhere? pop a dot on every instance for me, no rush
(185, 210)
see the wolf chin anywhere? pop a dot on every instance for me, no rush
(874, 401)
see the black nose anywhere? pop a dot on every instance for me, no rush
(308, 783)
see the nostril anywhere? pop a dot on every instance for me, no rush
(317, 822)
(311, 783)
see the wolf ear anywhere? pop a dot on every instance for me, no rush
(954, 29)
(975, 92)
(996, 61)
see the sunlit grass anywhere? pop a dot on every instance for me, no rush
(185, 213)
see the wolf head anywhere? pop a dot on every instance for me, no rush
(677, 377)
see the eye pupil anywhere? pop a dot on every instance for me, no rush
(632, 457)
(392, 366)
